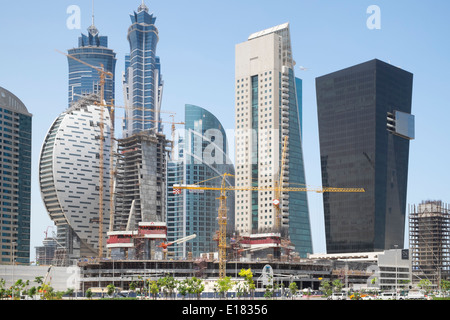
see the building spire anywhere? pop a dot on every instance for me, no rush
(93, 13)
(92, 29)
(143, 7)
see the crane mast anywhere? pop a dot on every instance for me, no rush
(222, 212)
(103, 74)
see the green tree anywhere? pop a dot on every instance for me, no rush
(58, 295)
(223, 285)
(425, 284)
(168, 285)
(196, 286)
(182, 287)
(337, 285)
(3, 290)
(270, 289)
(132, 286)
(38, 280)
(70, 292)
(89, 293)
(445, 285)
(154, 289)
(326, 287)
(293, 288)
(18, 287)
(241, 288)
(32, 292)
(47, 292)
(141, 283)
(110, 289)
(249, 284)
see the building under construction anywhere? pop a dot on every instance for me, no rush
(138, 222)
(429, 226)
(121, 273)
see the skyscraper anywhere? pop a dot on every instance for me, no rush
(140, 194)
(15, 179)
(69, 178)
(143, 85)
(201, 154)
(365, 128)
(268, 109)
(84, 80)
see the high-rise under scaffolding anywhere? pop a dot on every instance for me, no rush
(429, 227)
(139, 222)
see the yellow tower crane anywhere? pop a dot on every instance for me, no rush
(222, 214)
(278, 186)
(103, 74)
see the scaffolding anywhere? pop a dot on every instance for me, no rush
(141, 164)
(429, 240)
(140, 188)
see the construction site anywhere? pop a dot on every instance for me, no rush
(99, 274)
(429, 241)
(136, 244)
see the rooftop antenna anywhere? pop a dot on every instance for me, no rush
(143, 7)
(93, 15)
(92, 29)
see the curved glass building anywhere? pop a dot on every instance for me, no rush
(69, 178)
(142, 80)
(201, 154)
(15, 179)
(84, 80)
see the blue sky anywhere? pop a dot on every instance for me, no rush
(197, 43)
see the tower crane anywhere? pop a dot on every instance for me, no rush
(222, 212)
(103, 74)
(278, 185)
(165, 245)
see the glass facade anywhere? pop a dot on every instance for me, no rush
(201, 154)
(268, 110)
(143, 83)
(299, 225)
(84, 80)
(358, 149)
(255, 161)
(15, 179)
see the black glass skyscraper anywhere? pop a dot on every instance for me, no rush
(365, 128)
